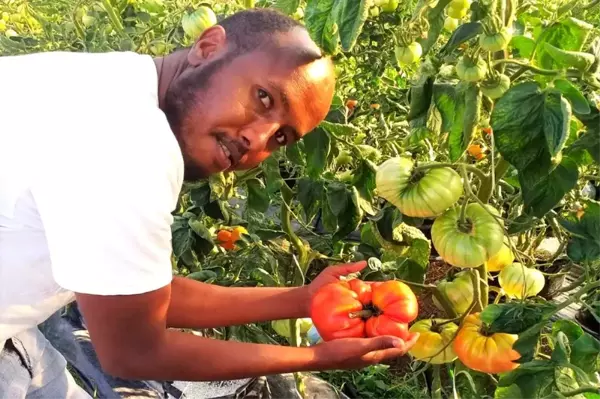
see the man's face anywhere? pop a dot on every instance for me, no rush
(247, 107)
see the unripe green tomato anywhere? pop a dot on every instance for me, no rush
(450, 24)
(198, 21)
(516, 280)
(469, 71)
(346, 176)
(344, 158)
(374, 11)
(460, 4)
(457, 13)
(408, 55)
(389, 6)
(496, 88)
(459, 292)
(360, 137)
(496, 42)
(417, 194)
(87, 20)
(471, 243)
(2, 25)
(249, 3)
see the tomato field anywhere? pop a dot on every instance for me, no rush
(460, 156)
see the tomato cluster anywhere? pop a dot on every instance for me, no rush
(228, 238)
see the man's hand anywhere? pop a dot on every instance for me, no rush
(356, 353)
(331, 275)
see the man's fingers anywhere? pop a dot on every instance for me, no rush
(386, 342)
(342, 270)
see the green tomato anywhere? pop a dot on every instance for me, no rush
(374, 11)
(282, 327)
(471, 243)
(470, 71)
(496, 88)
(389, 6)
(450, 24)
(344, 158)
(346, 176)
(496, 42)
(459, 292)
(197, 22)
(458, 4)
(2, 25)
(408, 55)
(516, 280)
(249, 3)
(417, 194)
(457, 13)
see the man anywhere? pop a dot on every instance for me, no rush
(93, 151)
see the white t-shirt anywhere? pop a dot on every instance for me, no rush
(90, 172)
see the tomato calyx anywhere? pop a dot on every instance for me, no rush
(436, 327)
(465, 226)
(369, 310)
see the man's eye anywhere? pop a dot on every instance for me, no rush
(264, 98)
(281, 138)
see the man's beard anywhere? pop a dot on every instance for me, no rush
(181, 97)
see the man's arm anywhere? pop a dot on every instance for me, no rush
(198, 305)
(131, 339)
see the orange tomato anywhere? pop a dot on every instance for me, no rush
(375, 106)
(237, 233)
(351, 104)
(482, 351)
(224, 236)
(476, 151)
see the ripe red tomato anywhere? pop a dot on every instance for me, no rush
(356, 308)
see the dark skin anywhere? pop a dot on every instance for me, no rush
(243, 101)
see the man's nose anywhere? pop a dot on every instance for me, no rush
(256, 136)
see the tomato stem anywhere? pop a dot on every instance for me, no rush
(483, 285)
(444, 302)
(548, 72)
(286, 225)
(363, 314)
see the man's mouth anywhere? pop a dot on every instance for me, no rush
(232, 150)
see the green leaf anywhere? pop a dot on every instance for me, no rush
(510, 392)
(542, 195)
(572, 93)
(562, 350)
(584, 245)
(269, 234)
(182, 237)
(339, 129)
(466, 119)
(515, 317)
(524, 45)
(217, 210)
(294, 153)
(316, 146)
(436, 25)
(530, 126)
(365, 183)
(309, 195)
(566, 59)
(585, 353)
(569, 34)
(368, 237)
(390, 218)
(445, 102)
(527, 342)
(420, 99)
(287, 6)
(406, 269)
(566, 381)
(203, 275)
(200, 196)
(462, 34)
(589, 141)
(273, 180)
(200, 229)
(524, 371)
(337, 198)
(520, 224)
(571, 329)
(264, 277)
(258, 197)
(350, 218)
(330, 221)
(330, 20)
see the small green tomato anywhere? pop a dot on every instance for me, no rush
(450, 24)
(408, 55)
(471, 71)
(457, 13)
(496, 88)
(496, 42)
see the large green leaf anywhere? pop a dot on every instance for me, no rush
(584, 245)
(350, 218)
(444, 98)
(515, 317)
(273, 180)
(287, 6)
(531, 127)
(420, 99)
(572, 93)
(337, 198)
(569, 34)
(364, 181)
(463, 33)
(317, 146)
(466, 118)
(590, 140)
(585, 353)
(328, 21)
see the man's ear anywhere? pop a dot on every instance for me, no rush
(210, 42)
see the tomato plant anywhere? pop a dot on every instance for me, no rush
(463, 132)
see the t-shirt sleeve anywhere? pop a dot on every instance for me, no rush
(107, 210)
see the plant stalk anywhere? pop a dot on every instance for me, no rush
(483, 285)
(286, 225)
(444, 302)
(487, 185)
